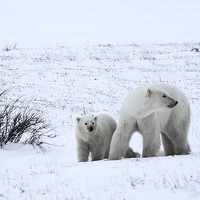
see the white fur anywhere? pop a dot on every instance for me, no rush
(152, 110)
(98, 141)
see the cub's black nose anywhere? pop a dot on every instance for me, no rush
(90, 129)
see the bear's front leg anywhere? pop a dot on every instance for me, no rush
(151, 143)
(82, 150)
(121, 138)
(151, 136)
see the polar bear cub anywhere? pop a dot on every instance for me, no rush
(94, 134)
(153, 110)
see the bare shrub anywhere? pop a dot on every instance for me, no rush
(22, 123)
(10, 47)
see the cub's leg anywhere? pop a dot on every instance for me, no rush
(82, 150)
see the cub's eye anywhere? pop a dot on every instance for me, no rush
(85, 123)
(92, 122)
(164, 96)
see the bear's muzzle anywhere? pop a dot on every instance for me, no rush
(173, 104)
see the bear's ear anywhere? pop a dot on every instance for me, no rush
(78, 119)
(149, 92)
(95, 118)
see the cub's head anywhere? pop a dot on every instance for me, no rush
(157, 99)
(86, 124)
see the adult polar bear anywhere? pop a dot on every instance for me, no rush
(160, 108)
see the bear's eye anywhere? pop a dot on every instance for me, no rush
(85, 123)
(164, 96)
(92, 122)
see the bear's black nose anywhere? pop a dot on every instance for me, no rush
(90, 129)
(173, 104)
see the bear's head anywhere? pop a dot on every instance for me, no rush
(144, 101)
(157, 99)
(87, 124)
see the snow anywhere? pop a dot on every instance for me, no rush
(77, 57)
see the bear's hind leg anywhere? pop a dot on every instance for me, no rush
(131, 154)
(168, 145)
(181, 144)
(177, 130)
(180, 141)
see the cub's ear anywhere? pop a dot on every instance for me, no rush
(149, 92)
(95, 118)
(78, 119)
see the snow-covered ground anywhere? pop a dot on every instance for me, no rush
(77, 57)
